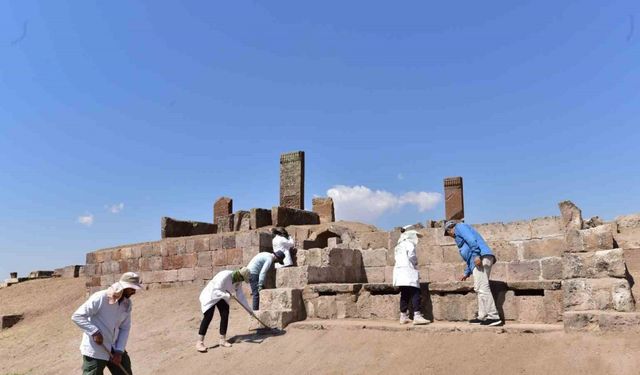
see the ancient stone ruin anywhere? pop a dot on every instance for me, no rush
(551, 270)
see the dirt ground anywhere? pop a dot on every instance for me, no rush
(165, 325)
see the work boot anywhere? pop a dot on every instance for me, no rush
(223, 342)
(201, 347)
(418, 320)
(404, 318)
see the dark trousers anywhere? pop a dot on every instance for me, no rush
(255, 291)
(223, 307)
(93, 366)
(409, 294)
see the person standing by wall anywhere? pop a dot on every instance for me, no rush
(479, 259)
(258, 267)
(283, 242)
(406, 277)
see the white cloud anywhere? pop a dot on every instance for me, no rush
(86, 220)
(115, 208)
(363, 204)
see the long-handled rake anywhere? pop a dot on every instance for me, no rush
(253, 315)
(111, 357)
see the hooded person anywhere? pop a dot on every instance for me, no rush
(217, 294)
(282, 242)
(406, 277)
(105, 319)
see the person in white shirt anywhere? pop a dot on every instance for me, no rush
(105, 319)
(217, 294)
(406, 277)
(283, 242)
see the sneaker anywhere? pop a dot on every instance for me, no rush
(224, 343)
(492, 322)
(201, 347)
(476, 321)
(404, 319)
(418, 320)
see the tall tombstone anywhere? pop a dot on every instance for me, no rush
(292, 180)
(324, 208)
(222, 207)
(454, 198)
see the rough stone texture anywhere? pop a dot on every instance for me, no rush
(70, 272)
(546, 227)
(9, 321)
(259, 217)
(552, 268)
(273, 319)
(370, 240)
(374, 258)
(170, 227)
(601, 321)
(375, 274)
(454, 307)
(241, 220)
(284, 216)
(598, 264)
(546, 247)
(324, 208)
(513, 231)
(571, 215)
(40, 274)
(225, 223)
(292, 180)
(597, 294)
(454, 198)
(384, 306)
(523, 270)
(222, 207)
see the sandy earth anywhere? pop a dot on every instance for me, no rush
(165, 327)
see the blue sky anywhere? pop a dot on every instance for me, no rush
(152, 109)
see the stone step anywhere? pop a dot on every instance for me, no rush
(601, 321)
(435, 327)
(273, 319)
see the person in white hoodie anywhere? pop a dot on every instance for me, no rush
(406, 277)
(105, 319)
(217, 294)
(283, 242)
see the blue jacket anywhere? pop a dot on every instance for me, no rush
(471, 245)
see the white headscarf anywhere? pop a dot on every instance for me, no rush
(411, 236)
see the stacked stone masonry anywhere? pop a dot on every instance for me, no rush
(547, 269)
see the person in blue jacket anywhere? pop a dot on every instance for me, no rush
(479, 258)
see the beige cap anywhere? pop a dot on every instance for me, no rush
(130, 280)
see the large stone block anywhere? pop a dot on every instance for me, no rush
(324, 208)
(601, 321)
(273, 319)
(285, 216)
(523, 270)
(234, 256)
(431, 254)
(197, 244)
(571, 215)
(598, 264)
(553, 306)
(225, 223)
(439, 272)
(382, 306)
(241, 220)
(514, 231)
(506, 251)
(374, 258)
(454, 306)
(186, 274)
(219, 257)
(259, 217)
(598, 238)
(222, 207)
(545, 247)
(370, 240)
(292, 180)
(598, 294)
(549, 226)
(170, 227)
(552, 268)
(375, 274)
(454, 198)
(204, 259)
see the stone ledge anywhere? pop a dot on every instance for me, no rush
(601, 321)
(440, 327)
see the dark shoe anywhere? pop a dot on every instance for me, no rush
(492, 322)
(476, 321)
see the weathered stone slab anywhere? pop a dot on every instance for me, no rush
(375, 274)
(571, 215)
(598, 294)
(225, 223)
(170, 227)
(548, 226)
(513, 231)
(598, 264)
(552, 268)
(70, 272)
(454, 307)
(334, 288)
(374, 258)
(545, 247)
(384, 306)
(292, 180)
(602, 321)
(222, 207)
(454, 198)
(273, 319)
(259, 217)
(370, 240)
(523, 270)
(40, 274)
(505, 251)
(284, 216)
(241, 220)
(325, 210)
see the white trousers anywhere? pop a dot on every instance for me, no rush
(486, 304)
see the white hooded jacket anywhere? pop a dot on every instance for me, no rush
(219, 288)
(405, 270)
(284, 244)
